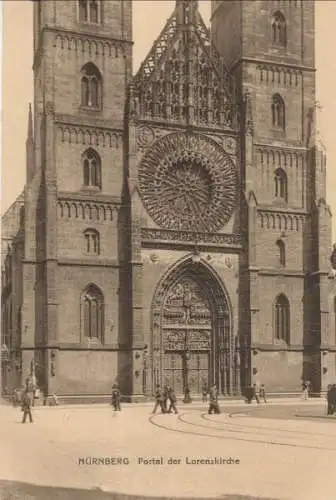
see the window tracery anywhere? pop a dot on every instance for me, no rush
(91, 86)
(91, 169)
(187, 182)
(279, 29)
(280, 184)
(89, 11)
(92, 312)
(92, 242)
(281, 253)
(186, 86)
(282, 319)
(278, 112)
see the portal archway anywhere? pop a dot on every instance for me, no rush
(192, 340)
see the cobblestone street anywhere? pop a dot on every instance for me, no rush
(282, 451)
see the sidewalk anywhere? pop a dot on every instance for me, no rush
(195, 404)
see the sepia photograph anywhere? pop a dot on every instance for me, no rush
(168, 250)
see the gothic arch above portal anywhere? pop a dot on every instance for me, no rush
(191, 314)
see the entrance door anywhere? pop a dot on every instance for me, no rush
(198, 371)
(187, 337)
(180, 372)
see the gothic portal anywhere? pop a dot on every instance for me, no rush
(192, 334)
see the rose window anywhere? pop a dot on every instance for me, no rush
(187, 182)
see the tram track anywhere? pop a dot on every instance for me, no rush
(277, 429)
(228, 433)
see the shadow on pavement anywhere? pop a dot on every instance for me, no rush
(15, 490)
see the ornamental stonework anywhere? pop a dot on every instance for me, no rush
(186, 318)
(153, 235)
(145, 137)
(188, 183)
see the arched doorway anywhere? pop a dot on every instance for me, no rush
(192, 341)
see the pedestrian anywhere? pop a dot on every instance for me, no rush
(165, 397)
(331, 399)
(205, 392)
(116, 397)
(213, 400)
(26, 406)
(256, 391)
(305, 389)
(159, 399)
(172, 400)
(187, 398)
(262, 393)
(53, 400)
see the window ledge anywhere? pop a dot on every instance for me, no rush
(91, 188)
(279, 46)
(90, 23)
(91, 109)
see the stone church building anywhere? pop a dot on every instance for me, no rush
(173, 227)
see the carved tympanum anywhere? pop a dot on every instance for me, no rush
(186, 318)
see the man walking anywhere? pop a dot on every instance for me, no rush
(26, 406)
(172, 400)
(159, 399)
(213, 400)
(116, 397)
(165, 398)
(256, 388)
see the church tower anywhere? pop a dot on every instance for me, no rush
(268, 45)
(74, 194)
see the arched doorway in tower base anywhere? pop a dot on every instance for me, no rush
(192, 340)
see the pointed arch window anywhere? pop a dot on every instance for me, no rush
(89, 11)
(83, 10)
(91, 242)
(280, 184)
(91, 169)
(282, 319)
(92, 312)
(279, 31)
(91, 86)
(278, 112)
(281, 252)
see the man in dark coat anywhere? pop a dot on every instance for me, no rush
(331, 399)
(26, 406)
(213, 400)
(172, 400)
(116, 397)
(159, 399)
(165, 397)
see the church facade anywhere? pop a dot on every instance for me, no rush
(174, 226)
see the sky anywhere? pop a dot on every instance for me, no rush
(17, 80)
